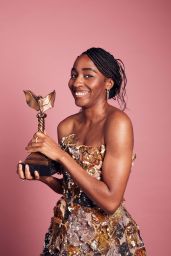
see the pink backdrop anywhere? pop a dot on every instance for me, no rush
(39, 41)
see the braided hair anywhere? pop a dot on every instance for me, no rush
(110, 68)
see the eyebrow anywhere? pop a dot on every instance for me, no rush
(85, 69)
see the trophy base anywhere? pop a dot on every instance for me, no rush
(42, 164)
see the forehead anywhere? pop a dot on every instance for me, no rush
(83, 61)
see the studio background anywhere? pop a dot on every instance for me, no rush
(39, 41)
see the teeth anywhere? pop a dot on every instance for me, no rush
(80, 94)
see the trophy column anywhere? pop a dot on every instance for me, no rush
(37, 161)
(41, 121)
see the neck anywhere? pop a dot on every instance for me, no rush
(95, 113)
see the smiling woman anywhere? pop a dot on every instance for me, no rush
(96, 154)
(87, 83)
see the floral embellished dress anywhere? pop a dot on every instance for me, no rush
(79, 226)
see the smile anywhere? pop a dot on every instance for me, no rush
(81, 94)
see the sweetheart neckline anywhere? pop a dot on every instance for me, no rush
(134, 156)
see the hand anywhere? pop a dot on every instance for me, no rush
(44, 144)
(27, 175)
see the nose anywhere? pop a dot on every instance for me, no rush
(78, 81)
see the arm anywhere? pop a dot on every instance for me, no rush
(107, 193)
(53, 182)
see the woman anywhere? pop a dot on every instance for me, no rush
(96, 152)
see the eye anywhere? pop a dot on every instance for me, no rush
(73, 76)
(88, 76)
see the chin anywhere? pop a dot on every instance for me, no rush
(81, 103)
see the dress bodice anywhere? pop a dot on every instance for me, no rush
(90, 158)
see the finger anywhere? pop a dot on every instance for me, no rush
(36, 175)
(35, 138)
(33, 150)
(40, 134)
(36, 148)
(20, 171)
(27, 173)
(30, 142)
(35, 141)
(34, 145)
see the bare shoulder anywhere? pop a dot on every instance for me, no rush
(118, 124)
(65, 127)
(118, 117)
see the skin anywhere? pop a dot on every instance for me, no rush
(104, 124)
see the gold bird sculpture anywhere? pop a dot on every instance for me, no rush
(40, 103)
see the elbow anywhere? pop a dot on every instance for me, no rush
(111, 207)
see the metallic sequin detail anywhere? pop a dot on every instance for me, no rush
(79, 226)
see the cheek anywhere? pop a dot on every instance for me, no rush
(98, 86)
(70, 84)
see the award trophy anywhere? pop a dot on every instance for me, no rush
(37, 161)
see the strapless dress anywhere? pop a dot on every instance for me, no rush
(79, 226)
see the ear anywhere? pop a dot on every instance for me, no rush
(109, 83)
